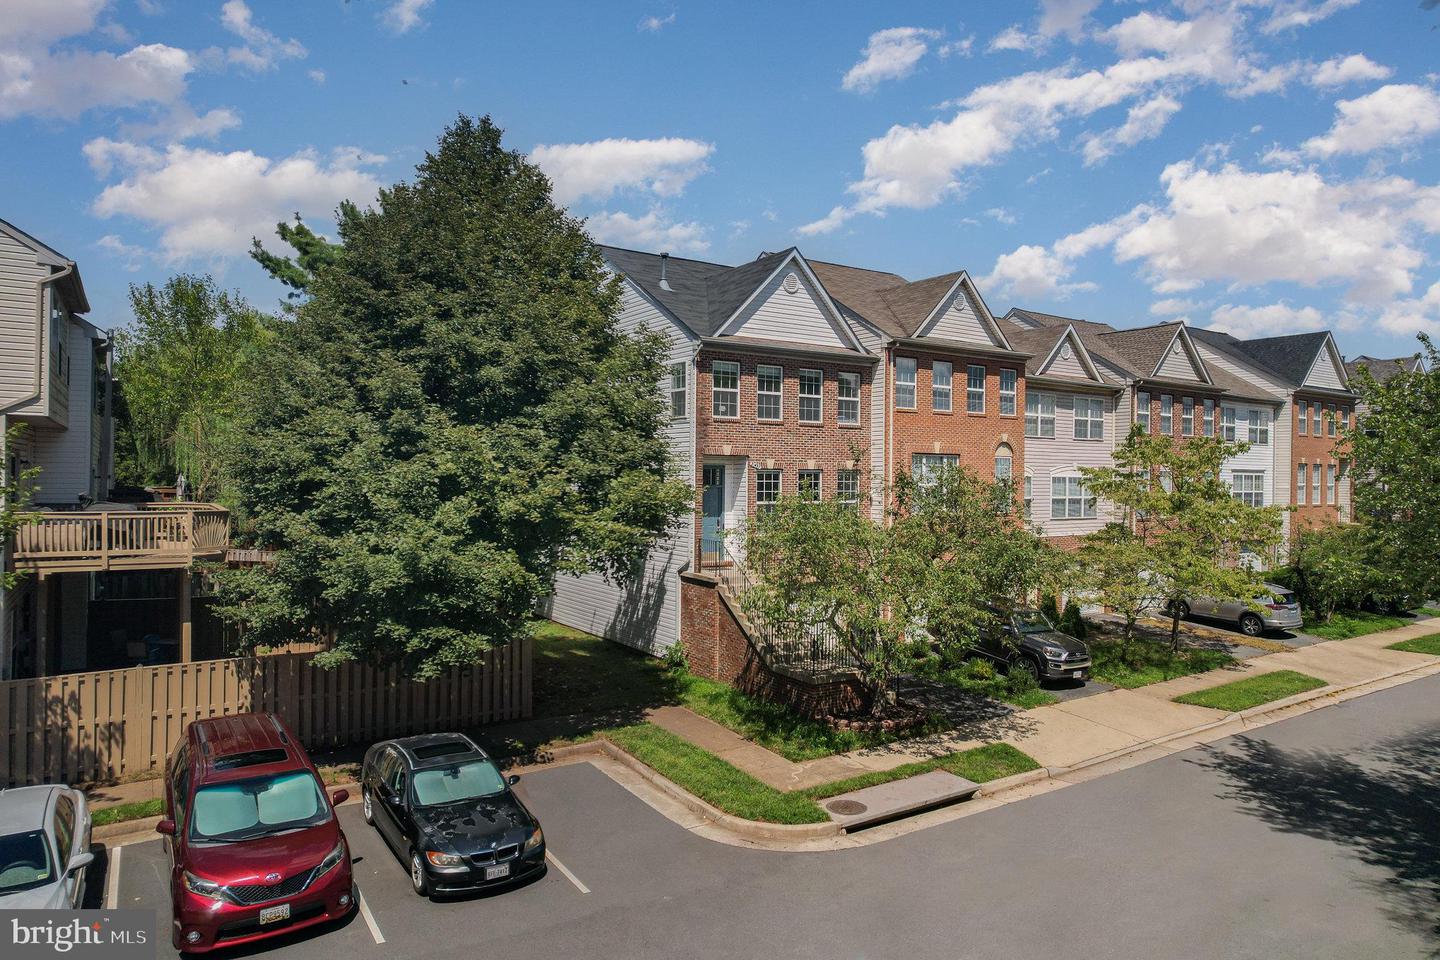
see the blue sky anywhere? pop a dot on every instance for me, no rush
(1262, 165)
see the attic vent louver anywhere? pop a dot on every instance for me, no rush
(792, 283)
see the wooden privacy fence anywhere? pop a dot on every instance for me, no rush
(81, 727)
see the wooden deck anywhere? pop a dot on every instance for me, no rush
(158, 536)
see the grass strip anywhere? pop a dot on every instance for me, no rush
(712, 779)
(1344, 624)
(1252, 691)
(1147, 662)
(119, 813)
(1428, 645)
(980, 764)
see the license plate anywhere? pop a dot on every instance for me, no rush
(495, 873)
(281, 911)
(1078, 674)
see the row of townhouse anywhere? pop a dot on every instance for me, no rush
(796, 376)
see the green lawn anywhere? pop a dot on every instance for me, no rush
(712, 779)
(1429, 611)
(1428, 645)
(980, 764)
(1147, 662)
(980, 677)
(577, 673)
(127, 811)
(1253, 691)
(1344, 624)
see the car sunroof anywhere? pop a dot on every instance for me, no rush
(441, 749)
(249, 759)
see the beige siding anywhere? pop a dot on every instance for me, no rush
(1063, 455)
(1177, 364)
(1324, 373)
(959, 319)
(1063, 366)
(18, 273)
(66, 457)
(799, 317)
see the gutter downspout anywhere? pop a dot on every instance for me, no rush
(34, 395)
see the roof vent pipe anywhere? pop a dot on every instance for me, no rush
(664, 284)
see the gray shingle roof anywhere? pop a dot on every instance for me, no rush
(1288, 358)
(1142, 348)
(1381, 370)
(726, 291)
(688, 296)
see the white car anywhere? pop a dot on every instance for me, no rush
(44, 848)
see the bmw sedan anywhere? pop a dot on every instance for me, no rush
(44, 848)
(445, 809)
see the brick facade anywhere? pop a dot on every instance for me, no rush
(1309, 449)
(1178, 411)
(973, 437)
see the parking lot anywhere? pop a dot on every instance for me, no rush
(1216, 851)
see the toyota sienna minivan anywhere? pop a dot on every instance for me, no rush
(255, 846)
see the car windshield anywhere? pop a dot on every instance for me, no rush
(461, 781)
(1031, 621)
(244, 809)
(24, 862)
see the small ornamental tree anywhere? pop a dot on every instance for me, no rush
(14, 505)
(1396, 454)
(451, 419)
(1179, 533)
(951, 546)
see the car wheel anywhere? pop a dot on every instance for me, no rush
(366, 809)
(1028, 667)
(1251, 625)
(418, 880)
(1182, 608)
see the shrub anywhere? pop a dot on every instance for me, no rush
(1050, 607)
(1072, 622)
(1345, 568)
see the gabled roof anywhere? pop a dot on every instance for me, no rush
(728, 291)
(862, 292)
(1043, 343)
(49, 256)
(1288, 358)
(1383, 369)
(898, 307)
(1145, 348)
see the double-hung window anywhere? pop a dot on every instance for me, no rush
(1142, 411)
(1089, 418)
(1029, 496)
(941, 375)
(812, 383)
(1227, 424)
(1069, 499)
(975, 389)
(1304, 417)
(1315, 418)
(1316, 493)
(1259, 426)
(925, 467)
(1039, 414)
(847, 486)
(725, 388)
(808, 484)
(1008, 380)
(1330, 485)
(1248, 486)
(1167, 415)
(1208, 429)
(1302, 473)
(1330, 420)
(769, 396)
(767, 489)
(905, 383)
(847, 404)
(1004, 463)
(1187, 417)
(678, 390)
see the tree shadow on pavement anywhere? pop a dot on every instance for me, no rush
(1385, 810)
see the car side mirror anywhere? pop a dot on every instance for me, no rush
(166, 828)
(80, 861)
(513, 779)
(395, 799)
(339, 797)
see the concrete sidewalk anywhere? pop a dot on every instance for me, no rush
(1074, 732)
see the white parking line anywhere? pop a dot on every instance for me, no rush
(565, 870)
(369, 917)
(112, 877)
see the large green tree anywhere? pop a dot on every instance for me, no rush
(451, 419)
(1396, 453)
(1179, 531)
(184, 364)
(313, 253)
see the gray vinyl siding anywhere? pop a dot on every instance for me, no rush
(1178, 365)
(68, 457)
(1063, 455)
(644, 611)
(1323, 373)
(1070, 366)
(959, 320)
(799, 317)
(875, 343)
(18, 273)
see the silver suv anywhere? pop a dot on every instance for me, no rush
(1278, 610)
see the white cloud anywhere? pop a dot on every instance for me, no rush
(1015, 38)
(1247, 322)
(598, 168)
(1410, 316)
(829, 223)
(402, 16)
(654, 24)
(263, 50)
(66, 85)
(209, 204)
(1172, 306)
(42, 22)
(1000, 215)
(1065, 18)
(1338, 71)
(1396, 115)
(1034, 272)
(889, 55)
(652, 231)
(317, 76)
(181, 122)
(1286, 14)
(131, 257)
(963, 47)
(1144, 121)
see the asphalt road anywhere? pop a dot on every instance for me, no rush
(1317, 837)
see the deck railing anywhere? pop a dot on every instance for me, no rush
(156, 536)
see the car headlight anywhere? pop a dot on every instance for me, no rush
(444, 860)
(1055, 653)
(332, 859)
(201, 887)
(536, 838)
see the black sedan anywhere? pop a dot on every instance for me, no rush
(443, 806)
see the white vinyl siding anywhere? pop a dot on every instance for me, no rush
(19, 270)
(942, 374)
(905, 383)
(67, 457)
(959, 319)
(769, 392)
(1324, 373)
(799, 317)
(1177, 364)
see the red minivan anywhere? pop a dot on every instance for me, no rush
(255, 846)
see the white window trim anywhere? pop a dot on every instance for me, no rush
(1167, 415)
(716, 391)
(845, 474)
(1208, 428)
(682, 391)
(818, 397)
(778, 394)
(779, 488)
(1228, 426)
(1187, 416)
(1142, 409)
(1089, 420)
(1012, 394)
(1041, 418)
(947, 391)
(800, 478)
(847, 376)
(970, 391)
(914, 366)
(1302, 407)
(1255, 477)
(1090, 513)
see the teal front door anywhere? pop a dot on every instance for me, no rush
(712, 521)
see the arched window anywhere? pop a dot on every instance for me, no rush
(1004, 462)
